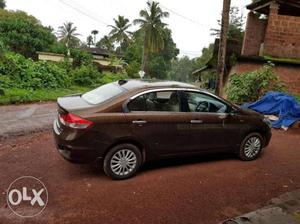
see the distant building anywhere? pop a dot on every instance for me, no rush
(101, 59)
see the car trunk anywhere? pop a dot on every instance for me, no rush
(72, 103)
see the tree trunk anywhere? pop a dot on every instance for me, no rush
(144, 56)
(68, 49)
(222, 47)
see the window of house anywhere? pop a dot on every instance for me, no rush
(156, 101)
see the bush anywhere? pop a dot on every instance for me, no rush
(81, 57)
(17, 71)
(133, 69)
(249, 87)
(112, 77)
(86, 75)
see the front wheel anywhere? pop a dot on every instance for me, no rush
(251, 147)
(122, 161)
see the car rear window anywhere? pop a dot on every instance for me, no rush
(103, 93)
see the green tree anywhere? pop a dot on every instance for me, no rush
(182, 69)
(95, 33)
(2, 4)
(89, 40)
(159, 63)
(105, 43)
(153, 29)
(236, 23)
(163, 58)
(120, 33)
(67, 35)
(207, 54)
(24, 34)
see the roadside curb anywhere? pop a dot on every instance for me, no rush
(284, 209)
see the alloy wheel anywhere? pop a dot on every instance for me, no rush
(252, 147)
(123, 162)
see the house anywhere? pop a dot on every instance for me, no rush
(273, 34)
(102, 59)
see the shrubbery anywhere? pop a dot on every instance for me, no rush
(81, 57)
(248, 87)
(18, 71)
(112, 77)
(86, 75)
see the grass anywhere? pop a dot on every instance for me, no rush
(16, 96)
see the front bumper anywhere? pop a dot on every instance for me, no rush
(268, 137)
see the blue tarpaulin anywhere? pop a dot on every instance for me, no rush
(282, 105)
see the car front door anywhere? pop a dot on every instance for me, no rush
(209, 130)
(156, 120)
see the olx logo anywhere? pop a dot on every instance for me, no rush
(27, 196)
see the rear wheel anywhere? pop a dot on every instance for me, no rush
(122, 161)
(251, 147)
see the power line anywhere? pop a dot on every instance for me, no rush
(83, 12)
(185, 17)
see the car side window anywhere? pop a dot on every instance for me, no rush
(156, 101)
(201, 102)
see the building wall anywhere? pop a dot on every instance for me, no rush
(254, 35)
(282, 38)
(290, 75)
(48, 57)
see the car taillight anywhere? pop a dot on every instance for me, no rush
(74, 121)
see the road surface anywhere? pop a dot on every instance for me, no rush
(205, 189)
(26, 118)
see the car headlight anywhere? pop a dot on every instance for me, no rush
(268, 122)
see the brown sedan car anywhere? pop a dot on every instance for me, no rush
(129, 122)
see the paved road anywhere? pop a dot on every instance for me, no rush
(27, 118)
(203, 190)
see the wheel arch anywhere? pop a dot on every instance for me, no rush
(255, 130)
(132, 141)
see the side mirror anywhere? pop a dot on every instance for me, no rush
(233, 112)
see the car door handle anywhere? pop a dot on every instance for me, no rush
(196, 121)
(139, 122)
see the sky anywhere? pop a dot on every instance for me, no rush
(189, 20)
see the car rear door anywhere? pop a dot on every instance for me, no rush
(156, 120)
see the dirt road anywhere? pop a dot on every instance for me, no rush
(203, 190)
(26, 118)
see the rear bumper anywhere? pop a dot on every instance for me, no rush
(77, 156)
(71, 151)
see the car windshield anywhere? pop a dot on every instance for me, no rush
(103, 93)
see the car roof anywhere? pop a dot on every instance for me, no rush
(144, 84)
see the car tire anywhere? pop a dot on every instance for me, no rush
(122, 161)
(251, 147)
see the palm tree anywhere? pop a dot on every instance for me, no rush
(105, 43)
(89, 40)
(67, 34)
(119, 32)
(95, 32)
(153, 28)
(221, 67)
